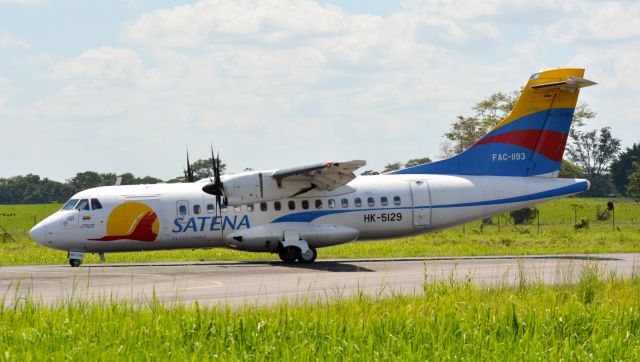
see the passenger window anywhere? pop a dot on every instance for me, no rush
(305, 204)
(263, 206)
(345, 203)
(210, 209)
(396, 200)
(250, 208)
(331, 203)
(95, 204)
(277, 206)
(357, 202)
(371, 202)
(384, 201)
(83, 205)
(182, 210)
(196, 209)
(292, 205)
(318, 204)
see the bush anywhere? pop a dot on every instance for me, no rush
(603, 215)
(582, 224)
(524, 215)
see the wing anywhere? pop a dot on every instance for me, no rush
(322, 176)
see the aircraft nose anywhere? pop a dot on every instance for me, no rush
(39, 233)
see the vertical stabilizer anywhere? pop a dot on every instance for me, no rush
(531, 140)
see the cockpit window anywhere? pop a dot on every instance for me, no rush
(95, 204)
(83, 205)
(70, 204)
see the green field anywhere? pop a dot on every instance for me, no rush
(555, 235)
(597, 319)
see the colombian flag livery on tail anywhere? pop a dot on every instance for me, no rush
(531, 140)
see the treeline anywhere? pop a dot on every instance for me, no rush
(32, 189)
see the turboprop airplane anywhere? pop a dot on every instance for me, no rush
(295, 211)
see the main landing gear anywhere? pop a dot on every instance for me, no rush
(291, 253)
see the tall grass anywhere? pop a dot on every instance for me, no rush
(596, 319)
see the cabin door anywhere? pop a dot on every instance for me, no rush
(421, 203)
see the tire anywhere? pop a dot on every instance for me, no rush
(314, 255)
(288, 254)
(75, 262)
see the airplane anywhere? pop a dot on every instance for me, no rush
(295, 211)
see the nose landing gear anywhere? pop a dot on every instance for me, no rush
(75, 258)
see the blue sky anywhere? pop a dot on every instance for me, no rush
(124, 86)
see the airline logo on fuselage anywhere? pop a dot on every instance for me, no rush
(210, 223)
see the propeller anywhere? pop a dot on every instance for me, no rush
(188, 173)
(215, 187)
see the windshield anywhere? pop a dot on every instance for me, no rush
(70, 204)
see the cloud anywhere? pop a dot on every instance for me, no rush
(11, 41)
(597, 20)
(100, 64)
(215, 21)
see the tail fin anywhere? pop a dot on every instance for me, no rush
(530, 141)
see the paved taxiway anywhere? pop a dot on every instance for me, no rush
(269, 282)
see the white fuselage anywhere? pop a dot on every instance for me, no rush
(369, 207)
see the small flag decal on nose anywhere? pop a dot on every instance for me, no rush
(86, 217)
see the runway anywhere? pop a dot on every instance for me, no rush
(265, 283)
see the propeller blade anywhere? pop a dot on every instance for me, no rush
(189, 173)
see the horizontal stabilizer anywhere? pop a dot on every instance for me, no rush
(569, 84)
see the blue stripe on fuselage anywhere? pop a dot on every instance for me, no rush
(309, 216)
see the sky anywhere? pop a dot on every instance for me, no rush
(127, 86)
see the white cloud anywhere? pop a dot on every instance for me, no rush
(104, 64)
(11, 41)
(214, 21)
(597, 20)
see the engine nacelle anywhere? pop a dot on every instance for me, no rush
(267, 237)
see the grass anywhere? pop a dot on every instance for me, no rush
(556, 236)
(596, 319)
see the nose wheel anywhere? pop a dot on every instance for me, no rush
(75, 258)
(75, 262)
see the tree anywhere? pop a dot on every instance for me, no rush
(394, 166)
(570, 170)
(633, 186)
(201, 169)
(623, 167)
(370, 173)
(593, 152)
(465, 131)
(417, 161)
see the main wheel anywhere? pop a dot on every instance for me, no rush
(308, 257)
(288, 254)
(75, 262)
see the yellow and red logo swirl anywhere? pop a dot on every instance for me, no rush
(132, 221)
